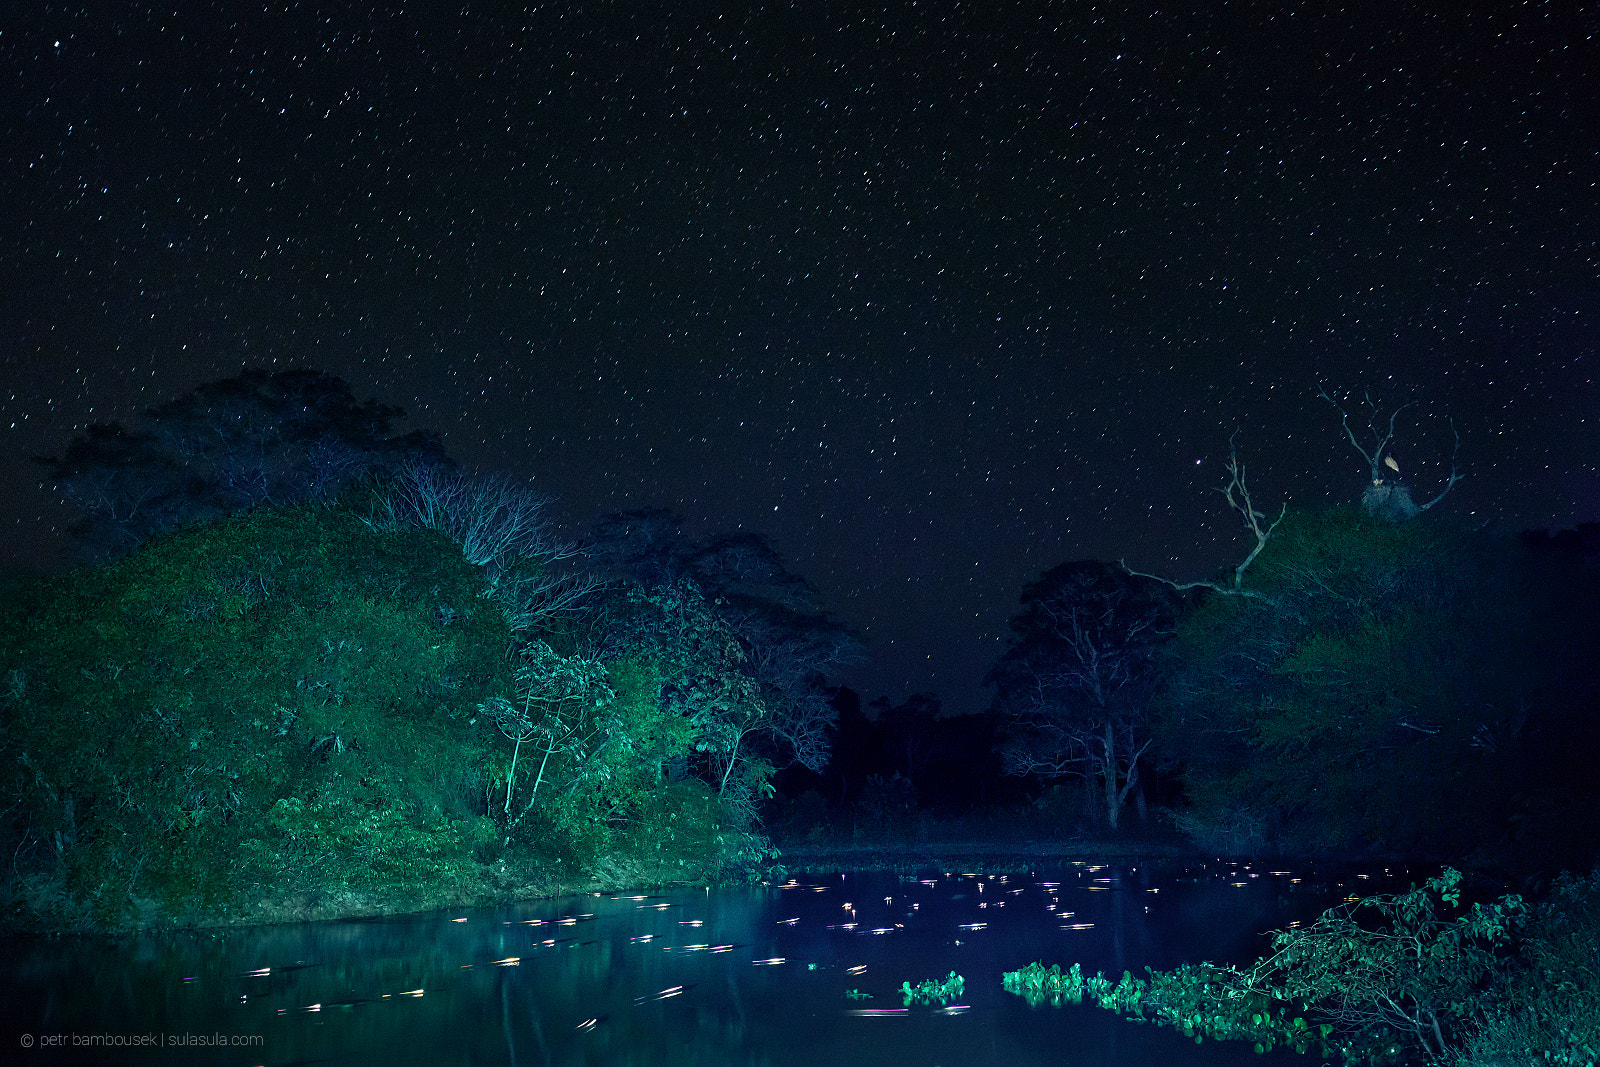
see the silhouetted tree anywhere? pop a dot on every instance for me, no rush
(910, 732)
(1386, 688)
(1075, 686)
(858, 749)
(258, 438)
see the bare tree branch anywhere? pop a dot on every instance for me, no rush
(1237, 493)
(1385, 496)
(499, 526)
(1454, 476)
(1381, 441)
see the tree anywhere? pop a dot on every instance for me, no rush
(1384, 688)
(563, 711)
(742, 651)
(1075, 685)
(1386, 496)
(790, 654)
(258, 438)
(272, 704)
(501, 526)
(909, 730)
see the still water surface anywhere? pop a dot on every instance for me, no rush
(805, 974)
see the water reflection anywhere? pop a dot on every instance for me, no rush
(803, 974)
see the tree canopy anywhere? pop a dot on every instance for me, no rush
(1075, 687)
(1387, 687)
(261, 437)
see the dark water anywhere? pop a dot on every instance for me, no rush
(723, 976)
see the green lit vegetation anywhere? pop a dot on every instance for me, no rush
(933, 990)
(1406, 977)
(330, 709)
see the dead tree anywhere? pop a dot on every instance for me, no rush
(1387, 496)
(1237, 493)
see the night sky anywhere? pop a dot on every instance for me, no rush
(937, 295)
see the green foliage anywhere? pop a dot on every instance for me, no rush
(1368, 980)
(701, 671)
(295, 705)
(933, 990)
(1550, 1014)
(740, 650)
(1378, 687)
(180, 699)
(1200, 1000)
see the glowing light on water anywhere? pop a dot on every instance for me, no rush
(670, 991)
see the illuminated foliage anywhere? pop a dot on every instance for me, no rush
(295, 711)
(280, 701)
(1373, 981)
(738, 648)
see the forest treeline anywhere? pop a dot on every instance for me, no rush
(1372, 690)
(309, 667)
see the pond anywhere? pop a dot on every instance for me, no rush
(806, 973)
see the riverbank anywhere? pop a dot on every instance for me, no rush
(39, 908)
(972, 855)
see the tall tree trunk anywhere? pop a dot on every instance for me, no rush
(1091, 805)
(1108, 770)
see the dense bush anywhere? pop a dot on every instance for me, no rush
(1550, 1015)
(294, 711)
(281, 702)
(1414, 977)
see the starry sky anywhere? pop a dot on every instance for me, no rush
(937, 295)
